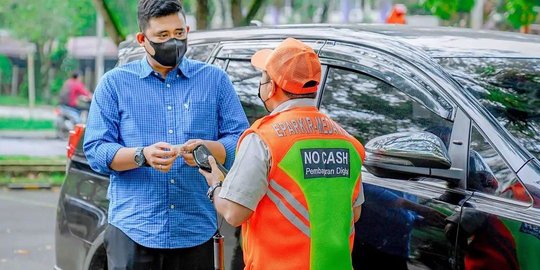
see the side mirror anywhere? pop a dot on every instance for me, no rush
(406, 155)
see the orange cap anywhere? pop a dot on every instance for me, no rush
(292, 65)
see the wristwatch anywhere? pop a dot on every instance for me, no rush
(212, 189)
(139, 158)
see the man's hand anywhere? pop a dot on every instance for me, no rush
(212, 177)
(160, 156)
(186, 150)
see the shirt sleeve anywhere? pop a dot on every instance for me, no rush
(247, 184)
(101, 135)
(232, 118)
(360, 199)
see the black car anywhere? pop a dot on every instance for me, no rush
(451, 123)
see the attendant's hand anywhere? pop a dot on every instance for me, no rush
(160, 156)
(186, 150)
(212, 177)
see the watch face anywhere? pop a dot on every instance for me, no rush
(139, 158)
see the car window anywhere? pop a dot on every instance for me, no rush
(368, 107)
(245, 79)
(508, 89)
(200, 52)
(488, 173)
(222, 63)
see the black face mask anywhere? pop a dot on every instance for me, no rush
(170, 52)
(259, 95)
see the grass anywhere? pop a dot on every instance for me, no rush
(32, 159)
(53, 178)
(25, 124)
(15, 101)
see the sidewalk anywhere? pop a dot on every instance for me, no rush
(39, 112)
(30, 134)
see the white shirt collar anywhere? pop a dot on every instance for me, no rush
(294, 103)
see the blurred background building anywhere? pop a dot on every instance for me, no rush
(42, 42)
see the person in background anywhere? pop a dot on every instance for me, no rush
(144, 122)
(75, 96)
(397, 15)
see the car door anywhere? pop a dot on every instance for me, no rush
(373, 93)
(499, 223)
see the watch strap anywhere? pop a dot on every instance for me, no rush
(212, 189)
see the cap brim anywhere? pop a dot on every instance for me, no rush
(259, 58)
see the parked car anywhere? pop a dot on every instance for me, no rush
(451, 123)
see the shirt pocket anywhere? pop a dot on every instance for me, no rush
(202, 120)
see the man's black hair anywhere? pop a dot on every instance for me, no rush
(75, 75)
(148, 9)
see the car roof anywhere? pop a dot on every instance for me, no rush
(434, 41)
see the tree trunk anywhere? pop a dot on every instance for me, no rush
(38, 63)
(202, 14)
(324, 15)
(236, 12)
(223, 9)
(15, 80)
(255, 6)
(111, 25)
(45, 76)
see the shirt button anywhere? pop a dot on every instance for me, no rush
(169, 107)
(172, 181)
(172, 206)
(168, 85)
(170, 131)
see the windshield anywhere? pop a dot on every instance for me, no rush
(509, 88)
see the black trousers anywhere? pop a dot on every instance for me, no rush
(125, 254)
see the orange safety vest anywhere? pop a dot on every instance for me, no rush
(305, 220)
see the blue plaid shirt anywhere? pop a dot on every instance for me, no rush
(134, 107)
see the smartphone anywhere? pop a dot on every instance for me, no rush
(201, 154)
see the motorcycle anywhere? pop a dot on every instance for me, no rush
(67, 117)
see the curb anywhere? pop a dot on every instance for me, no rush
(32, 134)
(28, 186)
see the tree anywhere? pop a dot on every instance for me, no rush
(236, 12)
(47, 24)
(112, 24)
(448, 9)
(521, 13)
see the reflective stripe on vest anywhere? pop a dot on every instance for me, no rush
(288, 214)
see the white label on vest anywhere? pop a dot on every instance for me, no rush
(325, 162)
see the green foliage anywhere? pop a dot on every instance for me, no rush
(39, 21)
(31, 159)
(521, 12)
(508, 100)
(13, 101)
(445, 9)
(5, 69)
(48, 24)
(124, 15)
